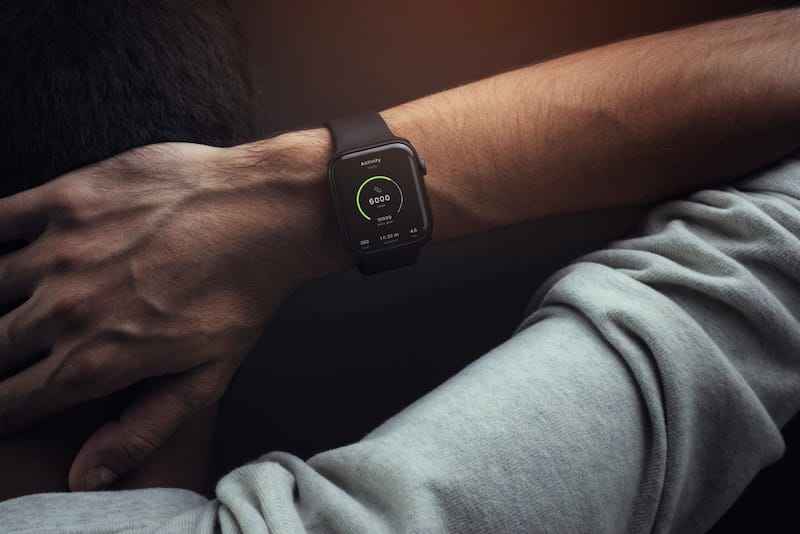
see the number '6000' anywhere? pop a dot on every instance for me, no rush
(379, 199)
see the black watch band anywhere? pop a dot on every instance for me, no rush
(359, 131)
(362, 130)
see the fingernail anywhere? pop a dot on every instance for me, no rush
(99, 478)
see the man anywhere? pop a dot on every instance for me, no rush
(83, 81)
(642, 395)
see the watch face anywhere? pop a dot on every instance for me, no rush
(381, 198)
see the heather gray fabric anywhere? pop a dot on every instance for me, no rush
(643, 395)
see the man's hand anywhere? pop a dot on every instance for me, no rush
(162, 264)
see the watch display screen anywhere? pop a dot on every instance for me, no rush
(381, 198)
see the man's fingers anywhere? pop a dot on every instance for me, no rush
(156, 413)
(60, 381)
(23, 334)
(24, 215)
(19, 273)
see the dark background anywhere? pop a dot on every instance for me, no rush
(347, 352)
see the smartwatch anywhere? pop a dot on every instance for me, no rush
(377, 184)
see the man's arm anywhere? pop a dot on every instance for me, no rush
(642, 396)
(629, 123)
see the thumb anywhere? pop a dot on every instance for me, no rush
(156, 412)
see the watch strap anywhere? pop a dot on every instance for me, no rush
(390, 259)
(359, 131)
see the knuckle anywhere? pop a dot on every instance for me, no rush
(73, 201)
(63, 261)
(64, 200)
(136, 447)
(86, 367)
(136, 161)
(74, 304)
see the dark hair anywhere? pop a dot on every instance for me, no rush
(86, 79)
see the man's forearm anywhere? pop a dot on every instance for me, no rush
(629, 123)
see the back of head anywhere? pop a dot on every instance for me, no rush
(83, 80)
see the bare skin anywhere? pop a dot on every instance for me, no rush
(121, 272)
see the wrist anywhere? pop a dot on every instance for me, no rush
(292, 180)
